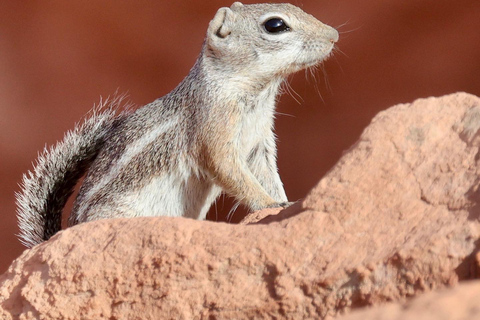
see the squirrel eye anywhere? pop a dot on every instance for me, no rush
(275, 25)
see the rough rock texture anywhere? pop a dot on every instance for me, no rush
(397, 216)
(458, 303)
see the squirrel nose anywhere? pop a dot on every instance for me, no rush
(333, 35)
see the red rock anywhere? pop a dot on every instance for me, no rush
(396, 217)
(458, 303)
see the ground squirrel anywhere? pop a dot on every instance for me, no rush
(174, 156)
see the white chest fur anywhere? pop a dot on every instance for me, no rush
(258, 119)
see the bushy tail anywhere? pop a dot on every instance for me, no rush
(46, 189)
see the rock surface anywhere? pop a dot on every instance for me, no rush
(458, 303)
(397, 216)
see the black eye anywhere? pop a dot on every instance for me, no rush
(276, 25)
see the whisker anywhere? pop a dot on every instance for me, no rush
(313, 74)
(336, 49)
(326, 79)
(285, 114)
(287, 87)
(339, 64)
(346, 31)
(232, 211)
(342, 25)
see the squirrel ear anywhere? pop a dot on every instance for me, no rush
(220, 26)
(236, 5)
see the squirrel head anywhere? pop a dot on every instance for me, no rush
(267, 40)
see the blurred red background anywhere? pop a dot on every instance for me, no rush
(57, 59)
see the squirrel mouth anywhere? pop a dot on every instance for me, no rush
(315, 61)
(316, 57)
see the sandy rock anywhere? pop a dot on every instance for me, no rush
(458, 303)
(397, 216)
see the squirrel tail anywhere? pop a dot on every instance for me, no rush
(46, 189)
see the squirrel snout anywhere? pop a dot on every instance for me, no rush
(332, 35)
